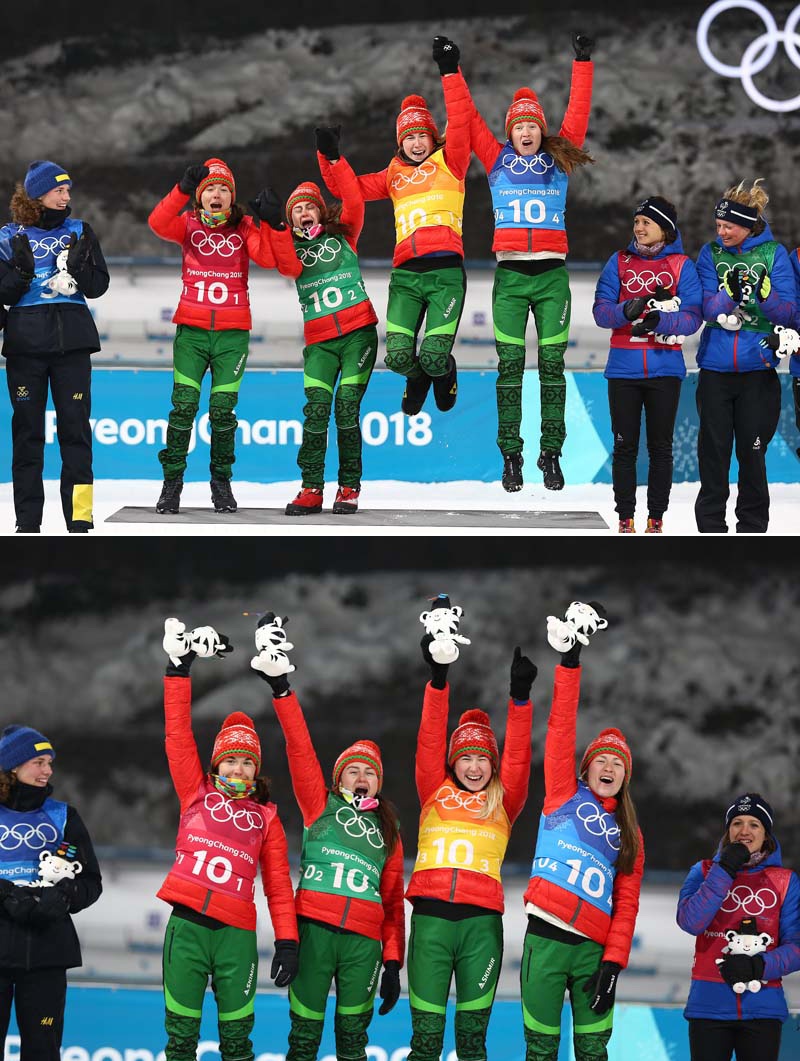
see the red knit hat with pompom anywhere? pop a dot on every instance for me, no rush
(218, 173)
(525, 108)
(473, 736)
(414, 117)
(307, 192)
(363, 751)
(610, 741)
(237, 737)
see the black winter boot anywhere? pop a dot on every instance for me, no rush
(222, 496)
(170, 500)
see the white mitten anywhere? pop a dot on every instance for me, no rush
(272, 647)
(176, 640)
(560, 635)
(62, 282)
(442, 623)
(584, 620)
(205, 642)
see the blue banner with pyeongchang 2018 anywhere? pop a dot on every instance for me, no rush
(130, 409)
(124, 1024)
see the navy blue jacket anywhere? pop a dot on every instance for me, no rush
(646, 359)
(727, 351)
(699, 901)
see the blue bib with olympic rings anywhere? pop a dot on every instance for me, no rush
(528, 191)
(577, 848)
(25, 834)
(46, 245)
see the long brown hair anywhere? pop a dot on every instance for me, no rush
(23, 209)
(628, 830)
(566, 155)
(331, 220)
(7, 779)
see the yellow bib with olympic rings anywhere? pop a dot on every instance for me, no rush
(425, 196)
(453, 836)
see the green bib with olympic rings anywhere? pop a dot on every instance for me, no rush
(343, 852)
(331, 277)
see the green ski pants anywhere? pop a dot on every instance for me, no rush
(353, 963)
(192, 954)
(194, 351)
(437, 297)
(549, 968)
(472, 951)
(547, 297)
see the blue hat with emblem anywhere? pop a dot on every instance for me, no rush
(18, 744)
(43, 176)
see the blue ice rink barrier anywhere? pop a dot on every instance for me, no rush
(120, 1024)
(130, 408)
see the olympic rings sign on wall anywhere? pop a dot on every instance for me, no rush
(758, 53)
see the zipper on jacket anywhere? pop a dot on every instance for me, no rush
(343, 922)
(574, 917)
(213, 317)
(336, 322)
(206, 901)
(414, 245)
(453, 887)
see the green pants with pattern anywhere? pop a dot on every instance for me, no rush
(192, 954)
(353, 963)
(549, 968)
(472, 951)
(437, 297)
(194, 351)
(547, 297)
(349, 359)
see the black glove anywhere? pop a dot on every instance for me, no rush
(328, 141)
(732, 285)
(523, 675)
(647, 325)
(191, 178)
(78, 253)
(733, 857)
(182, 670)
(53, 905)
(741, 968)
(390, 986)
(268, 207)
(286, 962)
(770, 342)
(23, 256)
(20, 904)
(583, 46)
(438, 670)
(634, 308)
(446, 55)
(603, 986)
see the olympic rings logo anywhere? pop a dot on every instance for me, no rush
(758, 53)
(417, 176)
(217, 243)
(539, 164)
(34, 837)
(645, 282)
(222, 809)
(597, 824)
(357, 826)
(325, 252)
(43, 248)
(752, 903)
(450, 798)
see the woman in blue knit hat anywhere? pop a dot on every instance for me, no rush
(744, 908)
(50, 263)
(38, 942)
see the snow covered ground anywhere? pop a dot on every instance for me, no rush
(379, 496)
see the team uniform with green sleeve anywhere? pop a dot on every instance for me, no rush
(341, 337)
(529, 199)
(349, 904)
